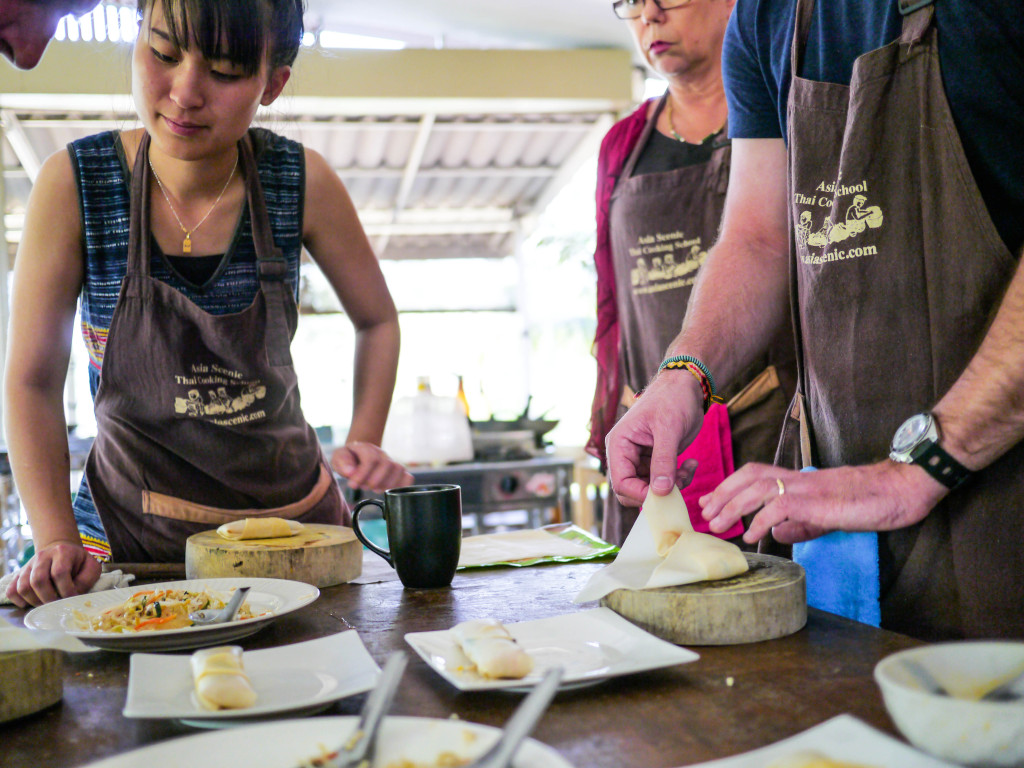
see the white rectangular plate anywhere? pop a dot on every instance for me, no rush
(844, 739)
(289, 679)
(591, 645)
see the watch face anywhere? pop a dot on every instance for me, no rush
(910, 432)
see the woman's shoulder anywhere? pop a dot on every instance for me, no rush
(631, 124)
(95, 147)
(273, 147)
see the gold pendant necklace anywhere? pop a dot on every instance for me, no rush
(186, 244)
(672, 127)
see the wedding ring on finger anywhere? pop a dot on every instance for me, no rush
(782, 486)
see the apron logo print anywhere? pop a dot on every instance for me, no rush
(664, 273)
(218, 402)
(859, 217)
(226, 393)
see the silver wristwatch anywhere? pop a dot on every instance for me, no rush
(917, 442)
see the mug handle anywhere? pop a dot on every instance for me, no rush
(386, 554)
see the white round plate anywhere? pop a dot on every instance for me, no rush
(286, 743)
(272, 597)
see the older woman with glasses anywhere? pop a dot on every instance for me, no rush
(662, 177)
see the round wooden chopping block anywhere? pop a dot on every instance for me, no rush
(321, 555)
(768, 601)
(29, 681)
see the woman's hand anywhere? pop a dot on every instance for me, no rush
(366, 465)
(60, 569)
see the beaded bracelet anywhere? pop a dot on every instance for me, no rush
(699, 372)
(705, 386)
(680, 361)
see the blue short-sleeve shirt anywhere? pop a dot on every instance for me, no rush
(981, 51)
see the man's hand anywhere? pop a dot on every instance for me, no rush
(60, 569)
(365, 465)
(644, 445)
(876, 497)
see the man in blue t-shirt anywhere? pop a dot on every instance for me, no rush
(890, 166)
(983, 72)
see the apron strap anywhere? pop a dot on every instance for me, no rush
(645, 135)
(797, 417)
(721, 157)
(139, 239)
(801, 30)
(273, 267)
(917, 19)
(907, 7)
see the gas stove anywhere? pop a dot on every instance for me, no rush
(537, 488)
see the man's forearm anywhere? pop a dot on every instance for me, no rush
(739, 305)
(982, 415)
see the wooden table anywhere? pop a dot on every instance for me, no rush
(661, 719)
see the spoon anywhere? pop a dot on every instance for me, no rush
(924, 678)
(227, 613)
(1011, 690)
(358, 748)
(521, 723)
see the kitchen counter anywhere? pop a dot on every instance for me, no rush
(733, 699)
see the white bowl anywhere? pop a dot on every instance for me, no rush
(958, 727)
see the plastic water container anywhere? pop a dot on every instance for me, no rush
(427, 429)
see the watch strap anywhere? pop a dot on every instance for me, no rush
(936, 462)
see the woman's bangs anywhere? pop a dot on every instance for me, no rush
(229, 30)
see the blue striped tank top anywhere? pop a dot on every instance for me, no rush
(103, 181)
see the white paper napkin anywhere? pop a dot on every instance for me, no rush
(111, 580)
(14, 638)
(518, 545)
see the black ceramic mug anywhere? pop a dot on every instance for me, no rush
(424, 524)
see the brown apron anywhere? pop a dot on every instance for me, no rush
(661, 226)
(198, 416)
(898, 270)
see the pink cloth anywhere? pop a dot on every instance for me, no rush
(713, 451)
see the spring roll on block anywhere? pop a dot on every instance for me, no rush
(259, 528)
(693, 556)
(492, 649)
(220, 679)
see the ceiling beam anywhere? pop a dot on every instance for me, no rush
(412, 165)
(300, 124)
(411, 81)
(23, 149)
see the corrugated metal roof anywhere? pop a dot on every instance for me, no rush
(425, 185)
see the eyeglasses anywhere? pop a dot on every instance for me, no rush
(631, 9)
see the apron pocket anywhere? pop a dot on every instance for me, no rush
(756, 417)
(173, 508)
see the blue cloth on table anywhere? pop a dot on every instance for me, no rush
(842, 574)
